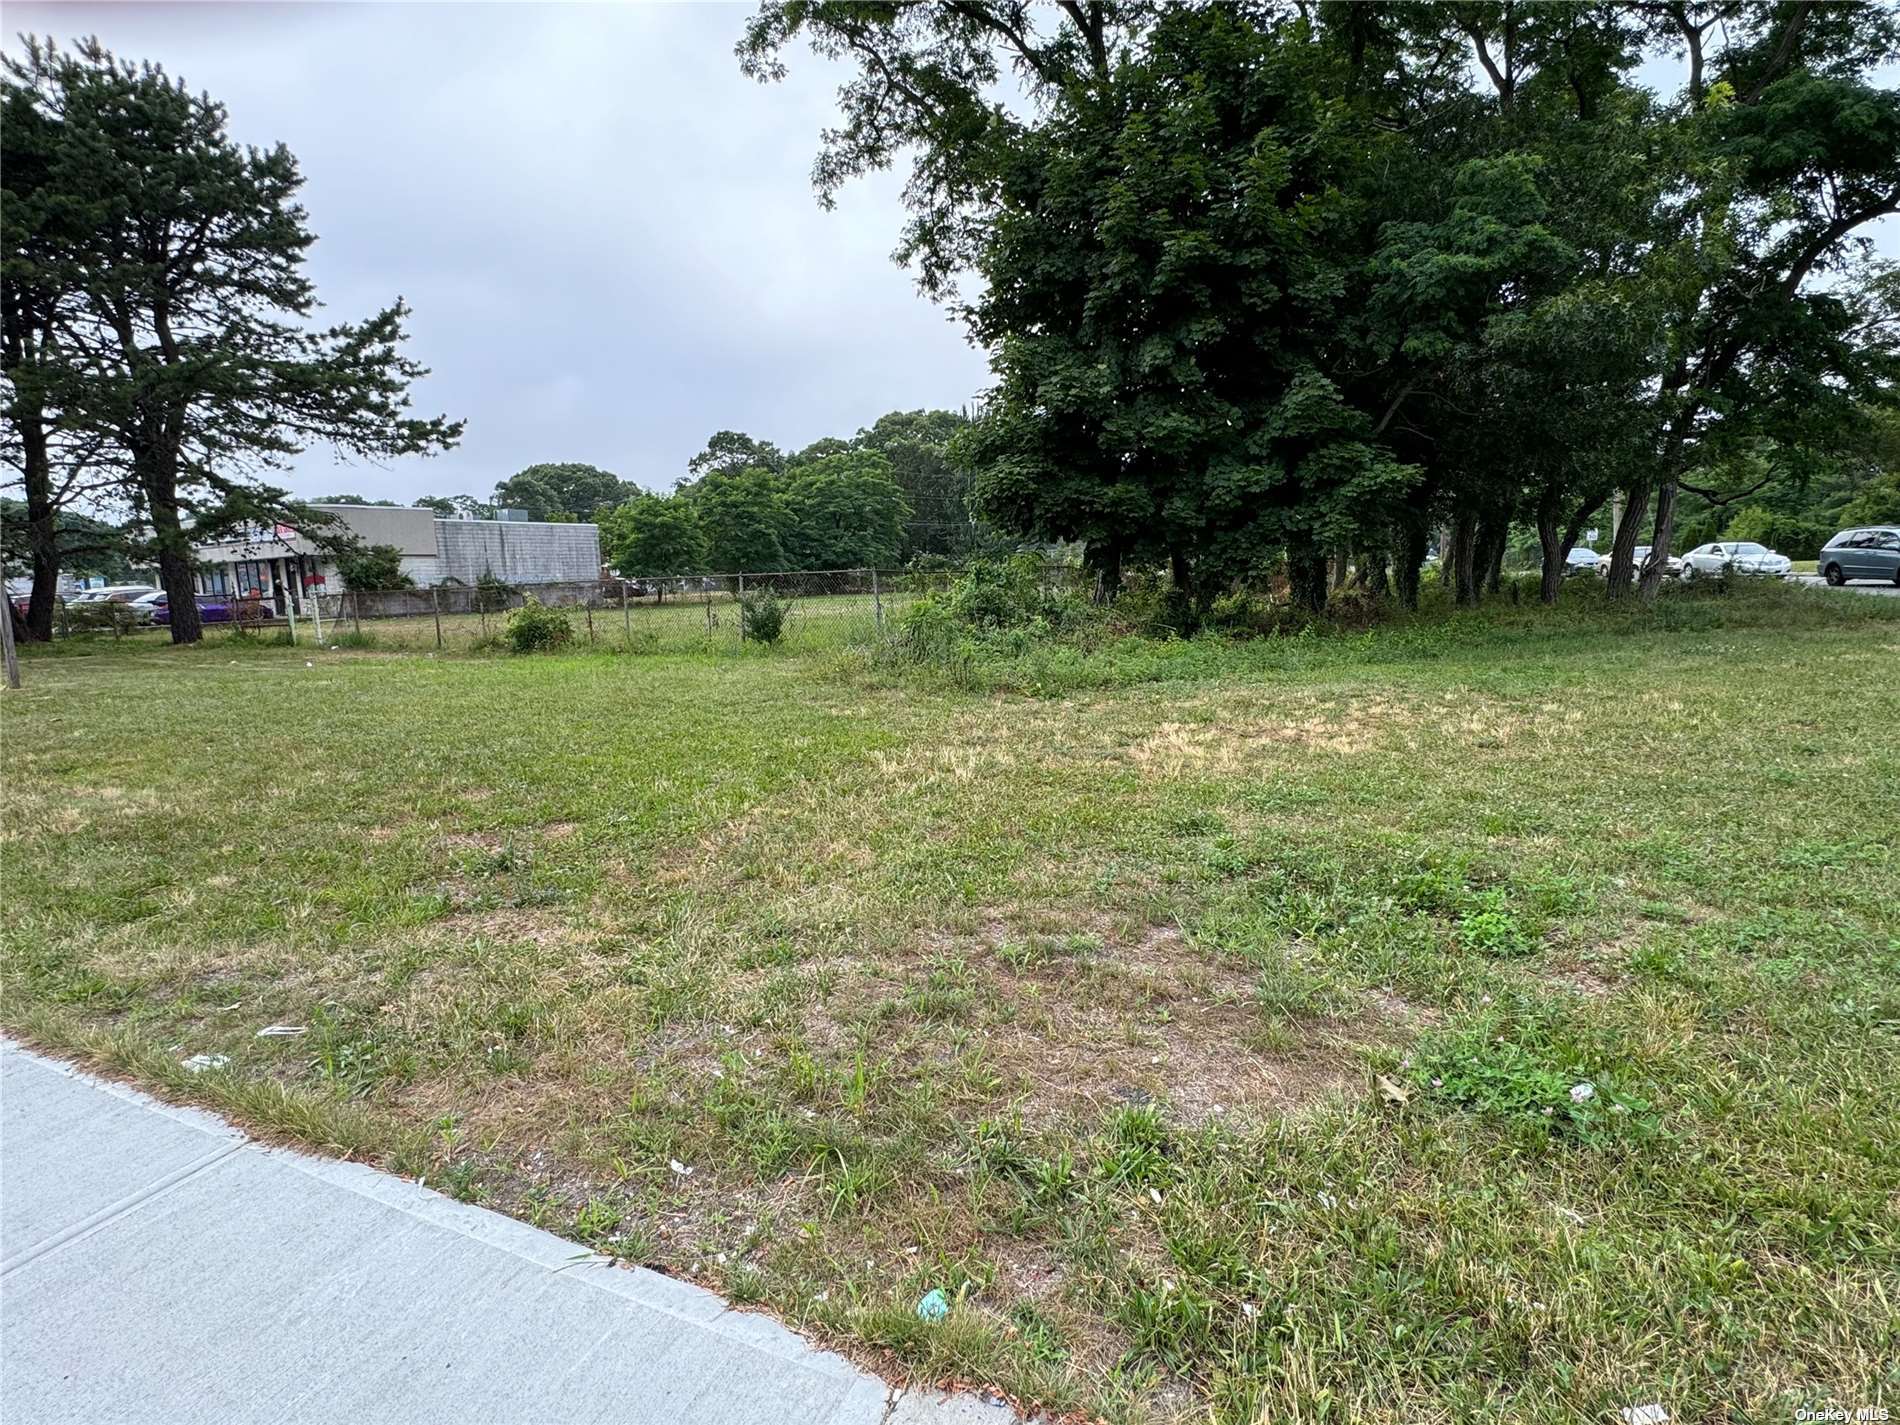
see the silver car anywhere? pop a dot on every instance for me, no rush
(1871, 553)
(1743, 556)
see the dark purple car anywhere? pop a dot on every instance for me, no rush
(207, 612)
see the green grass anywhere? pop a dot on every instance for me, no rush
(1212, 1026)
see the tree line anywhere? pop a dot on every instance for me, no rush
(157, 330)
(880, 499)
(1287, 287)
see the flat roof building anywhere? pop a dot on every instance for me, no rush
(281, 565)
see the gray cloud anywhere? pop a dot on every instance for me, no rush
(607, 232)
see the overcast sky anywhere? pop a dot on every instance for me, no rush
(607, 233)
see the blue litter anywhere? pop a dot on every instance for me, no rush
(934, 1307)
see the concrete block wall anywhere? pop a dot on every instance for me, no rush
(516, 552)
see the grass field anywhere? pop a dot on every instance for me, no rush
(1488, 1017)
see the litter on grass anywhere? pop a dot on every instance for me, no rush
(198, 1063)
(934, 1307)
(281, 1031)
(1650, 1414)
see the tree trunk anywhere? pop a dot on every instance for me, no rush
(1493, 536)
(1461, 559)
(1106, 560)
(1550, 541)
(1659, 541)
(1306, 576)
(1412, 546)
(1341, 559)
(1623, 547)
(175, 572)
(42, 529)
(1378, 579)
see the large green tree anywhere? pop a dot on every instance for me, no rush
(845, 512)
(744, 519)
(655, 535)
(1272, 283)
(192, 340)
(563, 489)
(917, 445)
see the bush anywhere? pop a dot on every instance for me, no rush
(762, 617)
(100, 616)
(375, 566)
(492, 595)
(536, 628)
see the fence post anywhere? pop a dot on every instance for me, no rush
(11, 654)
(706, 598)
(738, 613)
(356, 612)
(877, 602)
(435, 607)
(589, 606)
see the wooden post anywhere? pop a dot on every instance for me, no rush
(11, 654)
(435, 607)
(589, 606)
(356, 612)
(738, 613)
(626, 618)
(877, 602)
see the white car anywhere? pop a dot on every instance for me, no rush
(1639, 557)
(1743, 556)
(112, 593)
(145, 605)
(1582, 561)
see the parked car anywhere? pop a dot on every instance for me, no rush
(1582, 561)
(1869, 553)
(1743, 556)
(1640, 557)
(146, 605)
(113, 593)
(219, 612)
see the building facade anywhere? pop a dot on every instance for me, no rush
(281, 566)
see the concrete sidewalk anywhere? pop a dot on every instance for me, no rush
(157, 1265)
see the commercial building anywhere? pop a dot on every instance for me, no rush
(282, 565)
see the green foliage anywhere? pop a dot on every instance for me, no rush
(654, 535)
(845, 511)
(743, 519)
(1792, 535)
(374, 566)
(535, 628)
(561, 491)
(1262, 282)
(1878, 502)
(1540, 1081)
(762, 617)
(492, 593)
(183, 253)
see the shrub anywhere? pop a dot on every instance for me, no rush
(535, 628)
(100, 616)
(375, 566)
(491, 594)
(762, 617)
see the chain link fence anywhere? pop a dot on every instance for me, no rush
(697, 613)
(678, 614)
